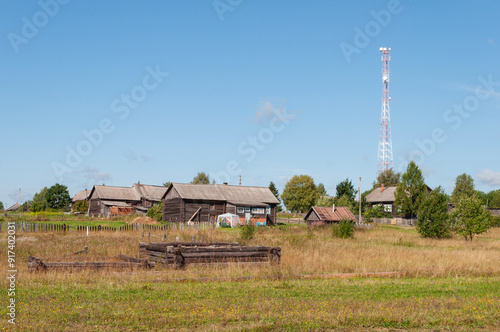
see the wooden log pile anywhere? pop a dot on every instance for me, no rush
(35, 264)
(178, 254)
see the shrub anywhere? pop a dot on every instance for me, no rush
(433, 221)
(344, 229)
(81, 206)
(376, 212)
(156, 212)
(495, 221)
(247, 231)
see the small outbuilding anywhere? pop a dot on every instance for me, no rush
(319, 215)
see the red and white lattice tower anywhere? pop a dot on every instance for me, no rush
(384, 158)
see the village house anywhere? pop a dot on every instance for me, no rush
(384, 196)
(204, 202)
(319, 215)
(107, 201)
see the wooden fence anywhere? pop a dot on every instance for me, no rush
(28, 226)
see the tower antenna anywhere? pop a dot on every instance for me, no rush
(384, 158)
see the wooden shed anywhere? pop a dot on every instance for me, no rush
(319, 215)
(204, 202)
(106, 201)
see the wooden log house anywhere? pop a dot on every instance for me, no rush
(106, 201)
(204, 202)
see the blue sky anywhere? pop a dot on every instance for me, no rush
(116, 92)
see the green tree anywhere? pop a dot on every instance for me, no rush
(321, 189)
(411, 191)
(325, 201)
(433, 218)
(276, 193)
(81, 206)
(1, 206)
(39, 202)
(494, 199)
(201, 178)
(346, 188)
(388, 178)
(376, 211)
(167, 184)
(58, 197)
(300, 193)
(469, 217)
(346, 201)
(156, 212)
(464, 187)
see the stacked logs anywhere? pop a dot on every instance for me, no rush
(178, 254)
(35, 264)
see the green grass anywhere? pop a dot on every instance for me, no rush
(259, 305)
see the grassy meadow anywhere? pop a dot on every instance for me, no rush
(446, 284)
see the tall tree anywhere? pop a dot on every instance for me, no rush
(469, 217)
(346, 188)
(39, 202)
(325, 201)
(388, 178)
(167, 184)
(300, 193)
(494, 199)
(321, 189)
(276, 193)
(433, 218)
(201, 178)
(1, 206)
(411, 191)
(58, 197)
(464, 187)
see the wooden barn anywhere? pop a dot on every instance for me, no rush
(319, 215)
(106, 201)
(80, 197)
(204, 202)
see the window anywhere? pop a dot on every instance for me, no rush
(268, 210)
(212, 206)
(240, 209)
(388, 208)
(258, 210)
(247, 209)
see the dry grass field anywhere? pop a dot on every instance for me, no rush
(444, 284)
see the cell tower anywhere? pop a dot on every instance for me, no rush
(384, 158)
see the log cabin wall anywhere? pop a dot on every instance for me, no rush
(172, 210)
(209, 210)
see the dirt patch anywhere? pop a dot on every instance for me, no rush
(144, 221)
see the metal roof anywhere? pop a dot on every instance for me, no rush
(238, 195)
(379, 196)
(327, 213)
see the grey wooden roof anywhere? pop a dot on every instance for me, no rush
(14, 207)
(238, 195)
(152, 193)
(379, 196)
(116, 193)
(81, 196)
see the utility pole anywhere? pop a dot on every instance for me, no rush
(359, 200)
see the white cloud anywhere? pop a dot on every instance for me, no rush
(489, 177)
(95, 175)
